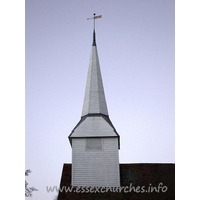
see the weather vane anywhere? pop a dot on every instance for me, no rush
(95, 17)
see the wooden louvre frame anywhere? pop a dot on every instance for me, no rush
(93, 144)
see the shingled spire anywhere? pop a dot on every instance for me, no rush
(94, 101)
(94, 112)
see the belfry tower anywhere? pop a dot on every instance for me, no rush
(94, 140)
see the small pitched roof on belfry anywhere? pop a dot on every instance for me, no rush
(94, 101)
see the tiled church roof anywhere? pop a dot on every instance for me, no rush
(148, 176)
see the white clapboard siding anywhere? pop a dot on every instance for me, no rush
(95, 167)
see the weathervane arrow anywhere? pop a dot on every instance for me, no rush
(95, 17)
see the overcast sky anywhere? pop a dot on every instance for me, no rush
(136, 48)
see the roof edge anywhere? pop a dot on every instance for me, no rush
(105, 117)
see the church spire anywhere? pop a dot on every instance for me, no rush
(94, 140)
(94, 101)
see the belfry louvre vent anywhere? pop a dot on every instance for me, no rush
(93, 144)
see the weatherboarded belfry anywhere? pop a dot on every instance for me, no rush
(94, 140)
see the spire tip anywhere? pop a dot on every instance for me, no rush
(94, 39)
